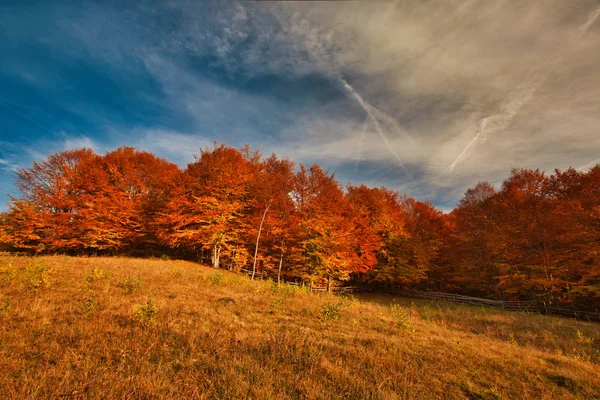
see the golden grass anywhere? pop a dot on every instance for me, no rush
(132, 328)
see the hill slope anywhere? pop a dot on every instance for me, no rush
(116, 327)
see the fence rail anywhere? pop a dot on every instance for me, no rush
(509, 305)
(567, 312)
(527, 306)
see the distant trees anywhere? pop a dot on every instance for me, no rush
(328, 232)
(536, 236)
(272, 217)
(77, 201)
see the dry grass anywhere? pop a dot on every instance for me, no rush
(116, 327)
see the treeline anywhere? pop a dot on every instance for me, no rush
(536, 237)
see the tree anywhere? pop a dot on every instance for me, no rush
(205, 212)
(138, 187)
(327, 226)
(48, 215)
(421, 248)
(537, 236)
(378, 217)
(270, 205)
(470, 263)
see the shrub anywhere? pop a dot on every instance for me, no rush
(581, 338)
(88, 304)
(276, 305)
(286, 289)
(330, 312)
(176, 273)
(144, 313)
(97, 274)
(402, 318)
(8, 273)
(37, 275)
(5, 306)
(130, 283)
(216, 279)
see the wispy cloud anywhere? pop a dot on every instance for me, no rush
(7, 165)
(176, 146)
(585, 167)
(523, 94)
(452, 91)
(77, 142)
(367, 107)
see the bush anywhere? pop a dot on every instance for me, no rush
(5, 306)
(88, 304)
(286, 289)
(37, 275)
(8, 273)
(144, 313)
(96, 275)
(216, 279)
(330, 312)
(402, 318)
(130, 283)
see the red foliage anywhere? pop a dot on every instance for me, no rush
(537, 236)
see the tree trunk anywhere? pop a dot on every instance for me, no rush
(258, 238)
(231, 259)
(329, 283)
(279, 270)
(215, 255)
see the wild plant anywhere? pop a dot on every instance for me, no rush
(330, 311)
(145, 312)
(130, 283)
(37, 275)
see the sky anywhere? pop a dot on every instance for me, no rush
(427, 97)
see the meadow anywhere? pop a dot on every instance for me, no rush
(149, 328)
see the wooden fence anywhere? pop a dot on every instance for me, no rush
(512, 305)
(509, 305)
(567, 312)
(338, 289)
(526, 306)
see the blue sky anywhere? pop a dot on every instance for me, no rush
(427, 98)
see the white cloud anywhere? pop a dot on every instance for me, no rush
(77, 142)
(465, 86)
(494, 84)
(8, 165)
(587, 166)
(175, 146)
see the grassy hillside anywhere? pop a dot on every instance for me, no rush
(117, 327)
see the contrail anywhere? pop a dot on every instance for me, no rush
(27, 118)
(360, 143)
(521, 97)
(503, 119)
(584, 28)
(395, 125)
(471, 144)
(589, 165)
(318, 52)
(367, 108)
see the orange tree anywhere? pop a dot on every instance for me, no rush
(205, 211)
(328, 232)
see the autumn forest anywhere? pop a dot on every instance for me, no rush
(536, 237)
